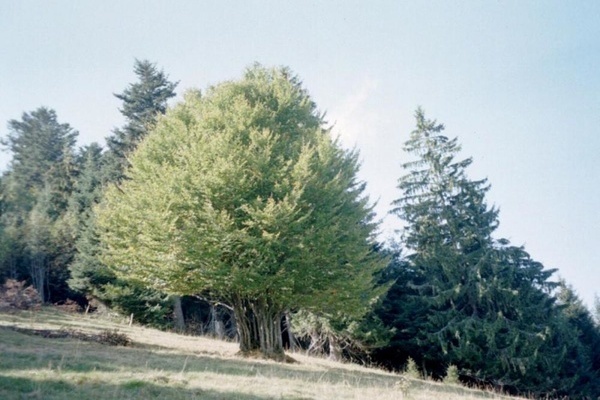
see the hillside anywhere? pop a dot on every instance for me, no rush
(50, 354)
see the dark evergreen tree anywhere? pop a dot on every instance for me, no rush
(596, 310)
(464, 298)
(143, 101)
(35, 193)
(581, 338)
(87, 193)
(38, 142)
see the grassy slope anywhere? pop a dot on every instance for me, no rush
(164, 365)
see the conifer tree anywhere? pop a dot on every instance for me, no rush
(38, 144)
(581, 338)
(87, 273)
(143, 102)
(467, 299)
(35, 193)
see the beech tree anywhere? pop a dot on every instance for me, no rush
(243, 194)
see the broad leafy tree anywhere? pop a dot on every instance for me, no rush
(242, 194)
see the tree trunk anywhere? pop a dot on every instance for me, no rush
(259, 329)
(38, 275)
(288, 329)
(246, 326)
(178, 317)
(216, 326)
(269, 330)
(335, 350)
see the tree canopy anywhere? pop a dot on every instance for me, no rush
(242, 193)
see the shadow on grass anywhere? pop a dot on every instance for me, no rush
(26, 352)
(18, 388)
(51, 316)
(23, 352)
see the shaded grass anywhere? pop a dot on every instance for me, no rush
(162, 365)
(14, 388)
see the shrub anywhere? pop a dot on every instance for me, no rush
(451, 375)
(411, 369)
(114, 338)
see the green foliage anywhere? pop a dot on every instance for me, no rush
(462, 297)
(143, 102)
(580, 338)
(35, 193)
(411, 369)
(243, 194)
(87, 273)
(451, 377)
(596, 312)
(149, 307)
(39, 145)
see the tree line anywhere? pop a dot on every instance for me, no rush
(237, 208)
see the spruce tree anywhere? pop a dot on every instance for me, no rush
(38, 144)
(87, 273)
(466, 299)
(581, 338)
(143, 101)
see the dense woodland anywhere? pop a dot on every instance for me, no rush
(235, 213)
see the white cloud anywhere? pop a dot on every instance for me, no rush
(353, 119)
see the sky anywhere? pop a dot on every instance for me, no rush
(516, 81)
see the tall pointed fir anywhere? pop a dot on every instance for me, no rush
(467, 299)
(143, 101)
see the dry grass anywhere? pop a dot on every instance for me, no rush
(165, 365)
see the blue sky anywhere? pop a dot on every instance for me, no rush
(516, 81)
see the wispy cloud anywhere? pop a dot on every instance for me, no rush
(353, 119)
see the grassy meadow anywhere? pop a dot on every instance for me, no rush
(48, 354)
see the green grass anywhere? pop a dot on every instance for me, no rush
(161, 365)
